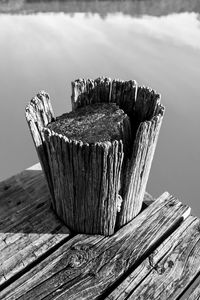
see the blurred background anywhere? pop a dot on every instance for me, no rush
(44, 45)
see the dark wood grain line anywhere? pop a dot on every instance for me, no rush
(194, 294)
(28, 226)
(87, 266)
(38, 114)
(171, 276)
(152, 263)
(142, 105)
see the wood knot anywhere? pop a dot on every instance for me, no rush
(79, 256)
(171, 203)
(76, 260)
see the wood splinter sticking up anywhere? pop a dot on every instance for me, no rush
(97, 158)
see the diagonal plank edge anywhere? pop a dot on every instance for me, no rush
(195, 293)
(29, 229)
(171, 276)
(86, 267)
(156, 264)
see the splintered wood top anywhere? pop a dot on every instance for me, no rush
(155, 256)
(92, 123)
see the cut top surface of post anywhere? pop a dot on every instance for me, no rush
(99, 122)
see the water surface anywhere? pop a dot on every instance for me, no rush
(46, 51)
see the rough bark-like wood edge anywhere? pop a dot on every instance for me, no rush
(86, 182)
(142, 106)
(38, 114)
(136, 176)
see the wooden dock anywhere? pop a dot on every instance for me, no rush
(155, 256)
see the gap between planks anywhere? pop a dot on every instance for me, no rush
(168, 271)
(43, 257)
(87, 266)
(26, 234)
(29, 229)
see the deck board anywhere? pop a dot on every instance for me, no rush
(195, 293)
(86, 267)
(41, 259)
(167, 272)
(28, 226)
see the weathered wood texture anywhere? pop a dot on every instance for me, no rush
(143, 107)
(99, 188)
(28, 227)
(86, 266)
(86, 176)
(195, 293)
(168, 271)
(176, 270)
(94, 123)
(86, 181)
(148, 198)
(38, 114)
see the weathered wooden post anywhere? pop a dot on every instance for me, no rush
(98, 186)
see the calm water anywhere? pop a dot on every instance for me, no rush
(162, 50)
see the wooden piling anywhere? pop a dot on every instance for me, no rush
(143, 107)
(39, 113)
(99, 188)
(86, 169)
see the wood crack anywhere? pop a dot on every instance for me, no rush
(33, 264)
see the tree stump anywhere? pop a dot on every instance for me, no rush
(98, 186)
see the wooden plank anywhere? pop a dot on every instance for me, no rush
(160, 275)
(175, 271)
(87, 266)
(195, 293)
(28, 226)
(17, 197)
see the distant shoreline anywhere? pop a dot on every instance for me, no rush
(102, 7)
